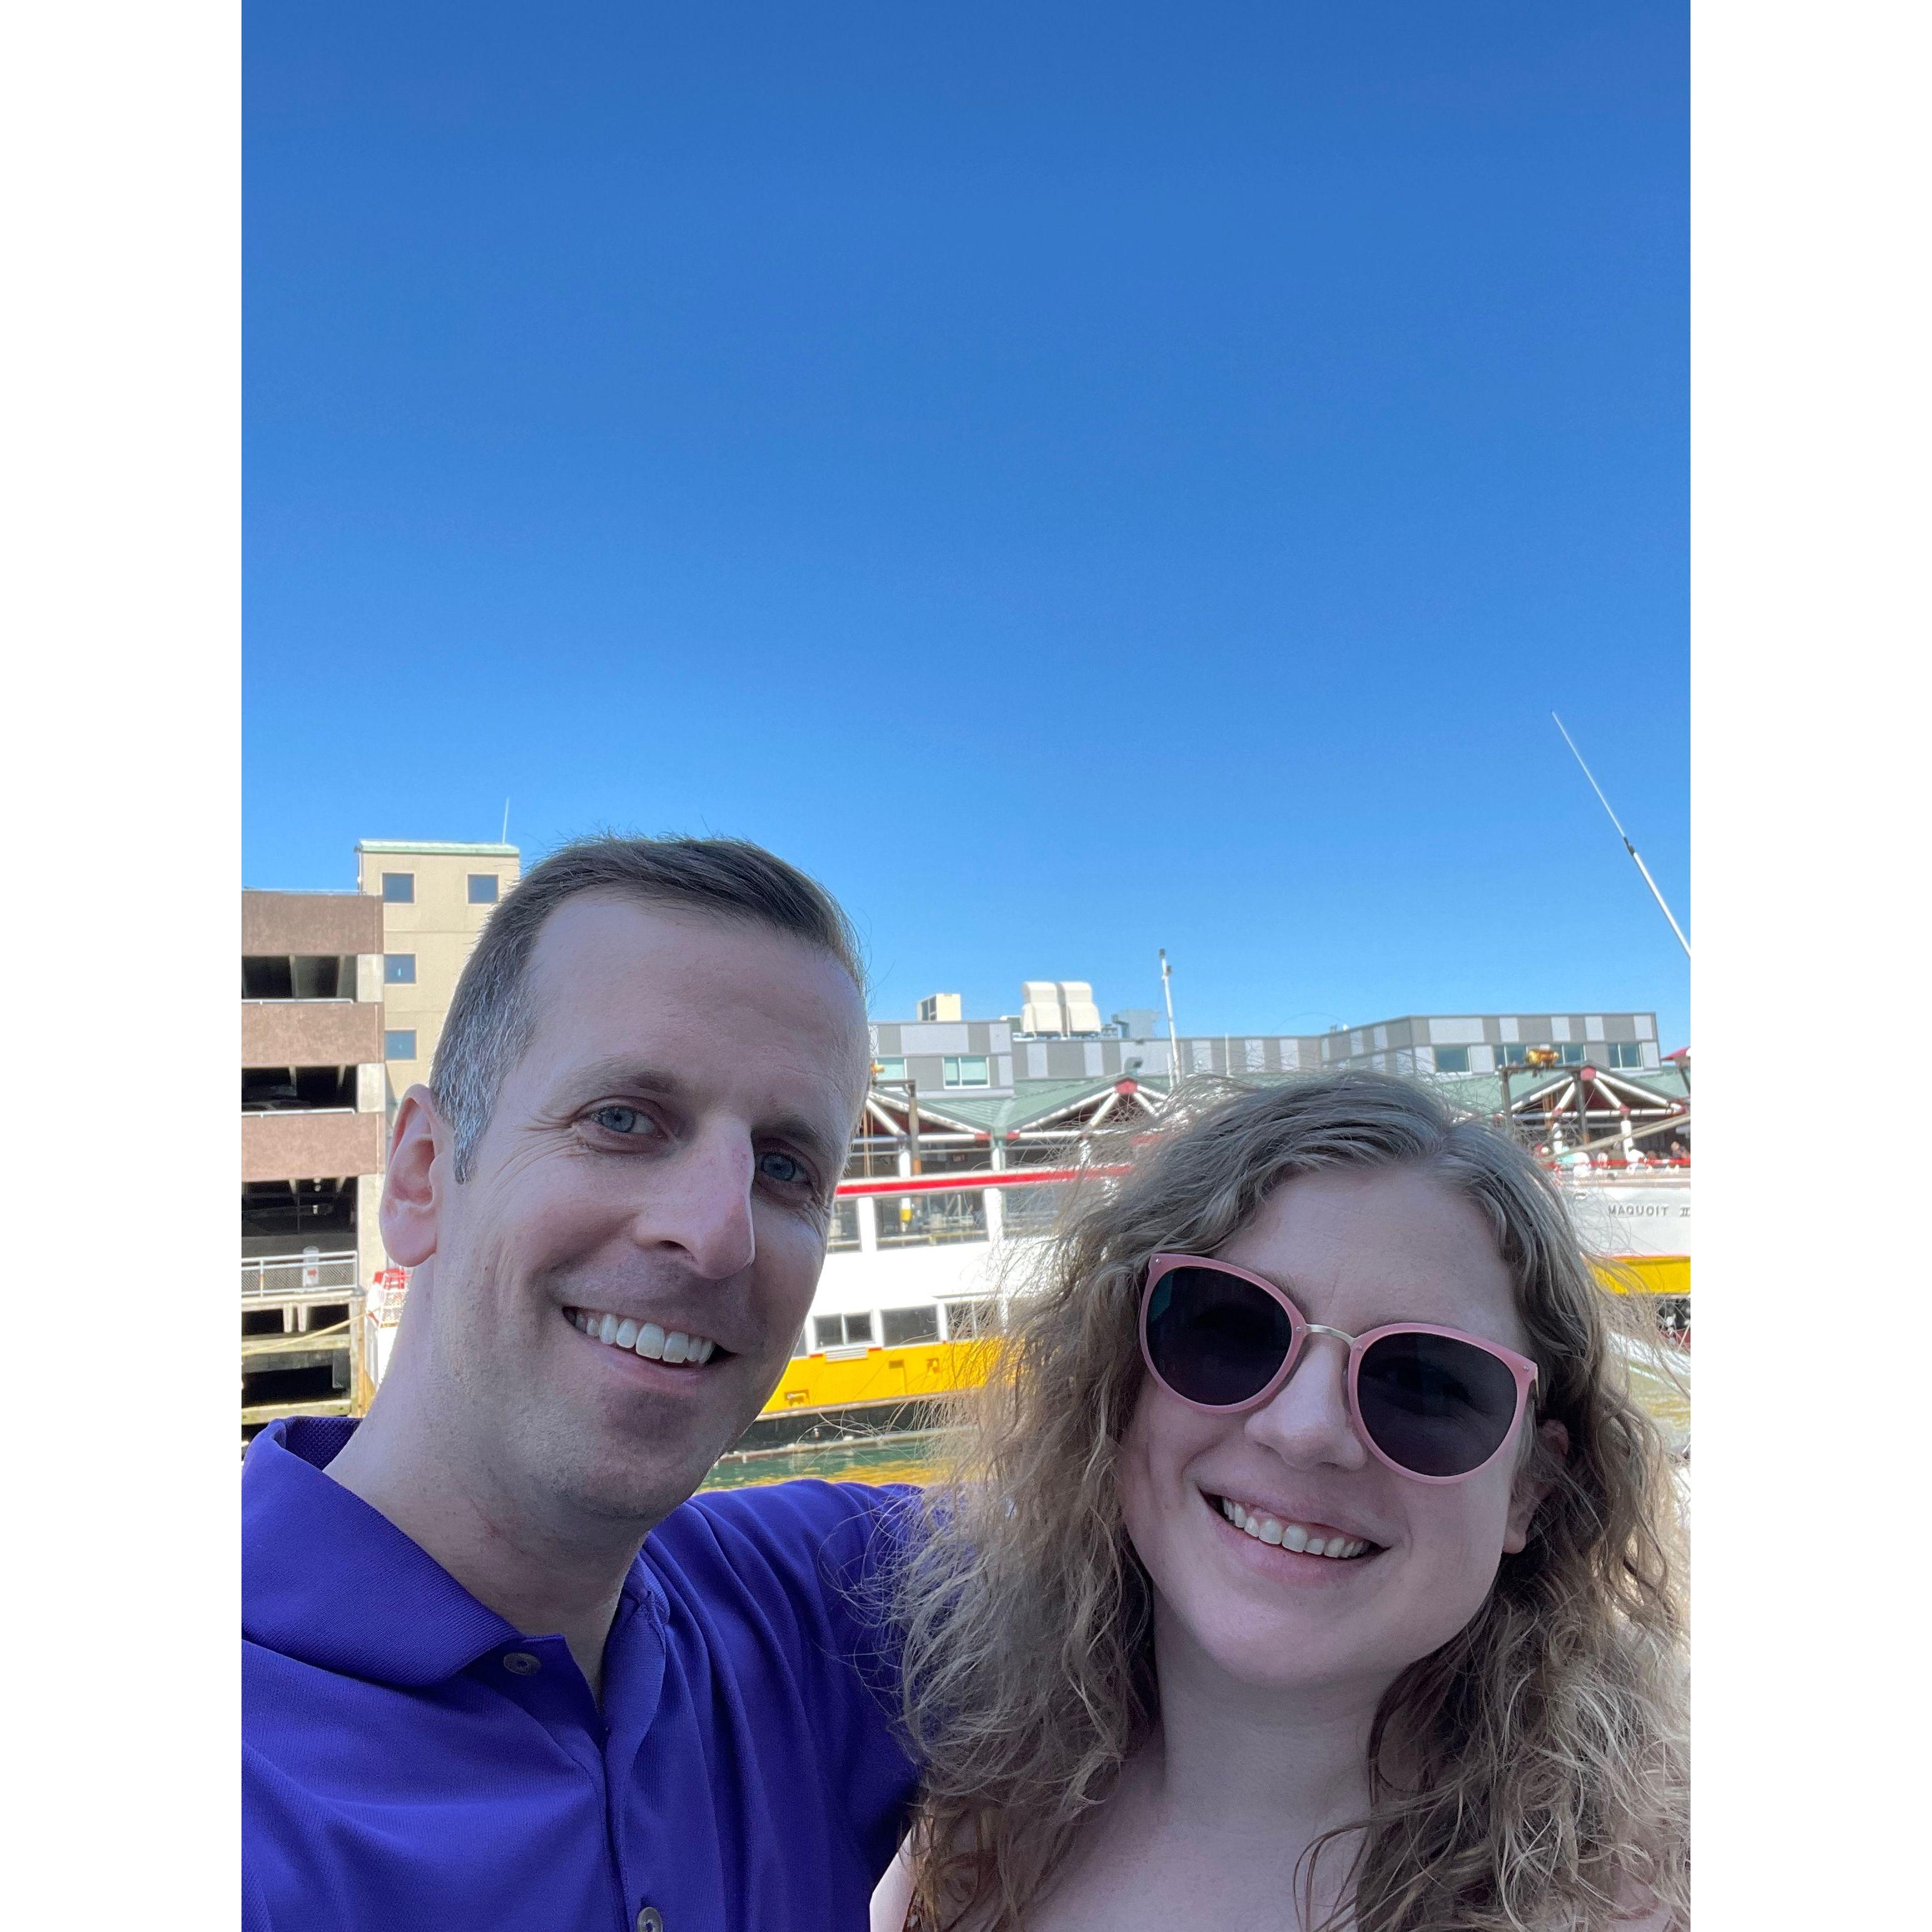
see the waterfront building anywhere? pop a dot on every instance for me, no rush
(1058, 1035)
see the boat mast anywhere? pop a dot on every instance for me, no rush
(1625, 837)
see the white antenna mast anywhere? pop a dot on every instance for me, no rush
(1625, 837)
(505, 839)
(1173, 1044)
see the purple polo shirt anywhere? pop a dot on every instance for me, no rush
(412, 1762)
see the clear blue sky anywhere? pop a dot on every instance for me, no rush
(1078, 478)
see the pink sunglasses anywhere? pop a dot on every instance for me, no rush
(1433, 1403)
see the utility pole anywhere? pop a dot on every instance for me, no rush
(1173, 1039)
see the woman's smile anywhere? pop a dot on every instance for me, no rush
(1293, 1536)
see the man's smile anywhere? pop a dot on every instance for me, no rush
(672, 1347)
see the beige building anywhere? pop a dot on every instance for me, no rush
(434, 899)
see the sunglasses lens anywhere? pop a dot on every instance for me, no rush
(1213, 1338)
(1437, 1406)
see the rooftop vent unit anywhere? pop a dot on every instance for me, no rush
(941, 1006)
(1058, 1009)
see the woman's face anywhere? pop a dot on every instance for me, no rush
(1353, 1250)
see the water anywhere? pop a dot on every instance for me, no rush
(901, 1458)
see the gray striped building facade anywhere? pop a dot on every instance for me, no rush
(987, 1056)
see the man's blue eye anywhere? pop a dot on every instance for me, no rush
(782, 1168)
(618, 1120)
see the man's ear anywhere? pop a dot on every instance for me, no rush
(1553, 1441)
(418, 1176)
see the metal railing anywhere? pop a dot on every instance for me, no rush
(272, 1277)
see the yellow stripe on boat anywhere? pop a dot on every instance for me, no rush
(1647, 1274)
(841, 1381)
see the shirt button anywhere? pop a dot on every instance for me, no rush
(650, 1919)
(521, 1663)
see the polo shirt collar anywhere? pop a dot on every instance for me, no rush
(328, 1580)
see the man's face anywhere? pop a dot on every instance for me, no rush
(663, 1153)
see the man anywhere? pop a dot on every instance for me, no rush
(501, 1671)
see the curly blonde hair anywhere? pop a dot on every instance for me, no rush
(1529, 1774)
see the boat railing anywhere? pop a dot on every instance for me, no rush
(1619, 1170)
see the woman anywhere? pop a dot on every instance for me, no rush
(1310, 1564)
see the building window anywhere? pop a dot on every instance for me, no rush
(399, 1045)
(965, 1070)
(904, 1326)
(1512, 1056)
(841, 1331)
(482, 889)
(1572, 1055)
(1452, 1060)
(1625, 1053)
(399, 888)
(399, 969)
(892, 1068)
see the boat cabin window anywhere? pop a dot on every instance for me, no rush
(967, 1320)
(843, 1233)
(841, 1331)
(905, 1325)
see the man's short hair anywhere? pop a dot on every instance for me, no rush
(491, 1017)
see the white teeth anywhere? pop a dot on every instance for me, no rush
(1292, 1536)
(647, 1338)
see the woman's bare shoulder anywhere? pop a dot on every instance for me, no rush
(892, 1897)
(1643, 1914)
